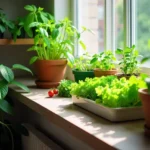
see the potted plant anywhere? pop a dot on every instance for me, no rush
(8, 131)
(36, 14)
(5, 23)
(53, 50)
(82, 68)
(144, 95)
(104, 64)
(128, 62)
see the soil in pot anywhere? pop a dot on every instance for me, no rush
(50, 72)
(82, 75)
(145, 98)
(99, 73)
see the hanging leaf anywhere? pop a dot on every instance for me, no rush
(30, 8)
(6, 107)
(22, 86)
(33, 59)
(21, 67)
(82, 45)
(3, 89)
(55, 33)
(6, 73)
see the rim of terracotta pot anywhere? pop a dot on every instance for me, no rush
(53, 62)
(98, 69)
(144, 91)
(74, 70)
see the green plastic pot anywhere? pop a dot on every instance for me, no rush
(82, 75)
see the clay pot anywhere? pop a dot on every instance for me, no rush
(145, 98)
(99, 73)
(50, 72)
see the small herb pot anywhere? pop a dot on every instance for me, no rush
(82, 75)
(99, 73)
(145, 98)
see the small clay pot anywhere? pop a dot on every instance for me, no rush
(99, 73)
(145, 98)
(50, 72)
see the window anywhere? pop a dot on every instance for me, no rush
(91, 15)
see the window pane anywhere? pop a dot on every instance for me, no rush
(143, 26)
(119, 28)
(91, 15)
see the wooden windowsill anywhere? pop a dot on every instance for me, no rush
(97, 132)
(26, 41)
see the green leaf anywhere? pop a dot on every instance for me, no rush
(33, 59)
(43, 18)
(82, 45)
(6, 73)
(6, 107)
(93, 60)
(119, 51)
(22, 86)
(55, 33)
(47, 41)
(43, 32)
(145, 59)
(21, 67)
(34, 24)
(3, 89)
(2, 28)
(70, 57)
(30, 8)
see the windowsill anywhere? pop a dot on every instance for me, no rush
(97, 132)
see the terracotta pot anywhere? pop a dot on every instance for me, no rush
(50, 72)
(98, 72)
(145, 98)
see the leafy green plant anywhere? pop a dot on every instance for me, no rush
(110, 91)
(8, 78)
(36, 14)
(129, 61)
(59, 44)
(18, 28)
(5, 23)
(82, 63)
(65, 88)
(104, 60)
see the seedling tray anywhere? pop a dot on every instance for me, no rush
(112, 114)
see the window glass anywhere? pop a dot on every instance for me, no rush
(119, 26)
(91, 15)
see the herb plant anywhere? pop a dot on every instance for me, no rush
(59, 44)
(82, 63)
(36, 14)
(65, 88)
(110, 91)
(128, 62)
(5, 23)
(104, 60)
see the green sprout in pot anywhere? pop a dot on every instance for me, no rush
(36, 14)
(57, 45)
(5, 23)
(82, 68)
(129, 64)
(104, 63)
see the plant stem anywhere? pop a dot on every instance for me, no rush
(12, 139)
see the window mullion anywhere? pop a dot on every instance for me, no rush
(129, 22)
